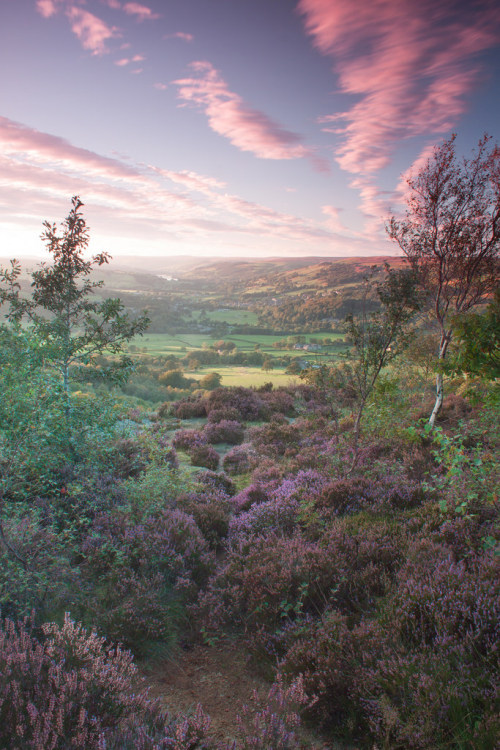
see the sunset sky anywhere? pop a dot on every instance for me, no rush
(237, 128)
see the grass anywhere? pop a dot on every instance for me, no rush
(249, 376)
(165, 343)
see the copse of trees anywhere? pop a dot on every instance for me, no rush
(451, 235)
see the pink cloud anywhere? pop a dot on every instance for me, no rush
(121, 63)
(92, 32)
(229, 116)
(27, 144)
(183, 35)
(142, 12)
(191, 180)
(333, 220)
(46, 8)
(160, 86)
(409, 64)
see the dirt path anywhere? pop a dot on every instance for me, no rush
(219, 678)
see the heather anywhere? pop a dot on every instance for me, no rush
(346, 545)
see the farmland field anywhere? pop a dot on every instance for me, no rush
(249, 376)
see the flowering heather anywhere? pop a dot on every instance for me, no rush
(440, 602)
(68, 690)
(240, 459)
(141, 575)
(189, 408)
(213, 481)
(188, 439)
(266, 580)
(276, 725)
(229, 413)
(204, 455)
(252, 495)
(225, 431)
(274, 516)
(247, 402)
(211, 509)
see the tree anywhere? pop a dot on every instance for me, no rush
(73, 326)
(478, 342)
(378, 337)
(451, 235)
(210, 381)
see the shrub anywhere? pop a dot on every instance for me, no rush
(141, 576)
(204, 455)
(187, 439)
(440, 601)
(214, 481)
(218, 415)
(265, 581)
(68, 690)
(225, 431)
(128, 458)
(278, 401)
(35, 572)
(252, 495)
(275, 726)
(274, 439)
(332, 659)
(247, 402)
(211, 511)
(240, 460)
(190, 408)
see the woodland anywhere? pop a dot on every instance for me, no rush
(335, 525)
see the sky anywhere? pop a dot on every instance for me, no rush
(235, 128)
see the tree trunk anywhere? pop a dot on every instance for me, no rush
(439, 399)
(445, 340)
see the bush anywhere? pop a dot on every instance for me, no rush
(68, 690)
(240, 459)
(204, 455)
(35, 572)
(141, 576)
(211, 510)
(332, 659)
(214, 481)
(229, 413)
(247, 402)
(187, 439)
(225, 431)
(189, 408)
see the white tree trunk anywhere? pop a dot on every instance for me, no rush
(445, 340)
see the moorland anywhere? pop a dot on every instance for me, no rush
(256, 482)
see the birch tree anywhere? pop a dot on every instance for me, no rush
(451, 235)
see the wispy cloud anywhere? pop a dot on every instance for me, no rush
(137, 204)
(92, 31)
(228, 115)
(181, 35)
(409, 66)
(142, 12)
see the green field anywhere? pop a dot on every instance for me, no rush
(233, 317)
(164, 343)
(249, 376)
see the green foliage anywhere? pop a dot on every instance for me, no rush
(211, 381)
(71, 325)
(478, 342)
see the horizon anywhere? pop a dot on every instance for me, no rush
(248, 130)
